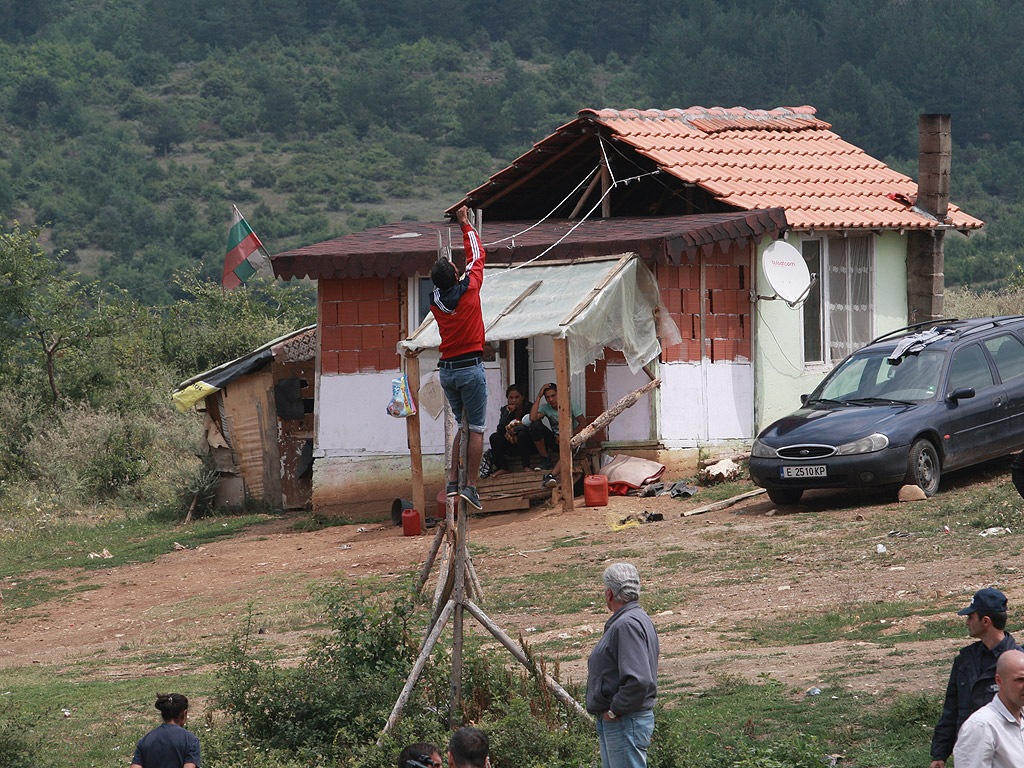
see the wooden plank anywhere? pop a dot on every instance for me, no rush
(722, 504)
(245, 406)
(606, 418)
(539, 169)
(514, 303)
(586, 194)
(606, 184)
(505, 504)
(565, 422)
(412, 428)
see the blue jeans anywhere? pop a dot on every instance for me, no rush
(467, 387)
(624, 741)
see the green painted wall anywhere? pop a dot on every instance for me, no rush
(780, 375)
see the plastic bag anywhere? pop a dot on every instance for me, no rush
(401, 404)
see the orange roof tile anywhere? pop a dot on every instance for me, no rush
(755, 158)
(745, 158)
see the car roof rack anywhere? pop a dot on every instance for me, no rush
(990, 322)
(986, 324)
(913, 327)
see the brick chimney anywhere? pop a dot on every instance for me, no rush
(925, 256)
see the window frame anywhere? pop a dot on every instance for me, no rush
(822, 289)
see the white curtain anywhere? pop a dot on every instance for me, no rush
(849, 295)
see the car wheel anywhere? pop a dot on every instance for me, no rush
(785, 495)
(923, 467)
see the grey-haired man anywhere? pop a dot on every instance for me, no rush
(622, 673)
(972, 682)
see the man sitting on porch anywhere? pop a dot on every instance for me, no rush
(546, 440)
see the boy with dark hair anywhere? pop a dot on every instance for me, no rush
(420, 755)
(455, 303)
(544, 439)
(468, 749)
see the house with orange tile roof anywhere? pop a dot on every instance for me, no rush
(857, 223)
(698, 195)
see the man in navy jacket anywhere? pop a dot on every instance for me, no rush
(972, 682)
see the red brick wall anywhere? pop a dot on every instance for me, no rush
(726, 304)
(360, 325)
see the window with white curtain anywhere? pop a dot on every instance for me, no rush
(839, 310)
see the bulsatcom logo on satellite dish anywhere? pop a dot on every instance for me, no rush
(786, 272)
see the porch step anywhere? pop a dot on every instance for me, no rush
(517, 490)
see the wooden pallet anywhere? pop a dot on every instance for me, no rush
(519, 489)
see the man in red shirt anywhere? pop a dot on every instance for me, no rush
(455, 303)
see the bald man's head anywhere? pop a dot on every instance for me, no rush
(1010, 678)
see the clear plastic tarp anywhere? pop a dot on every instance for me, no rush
(592, 304)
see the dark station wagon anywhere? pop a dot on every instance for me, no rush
(909, 406)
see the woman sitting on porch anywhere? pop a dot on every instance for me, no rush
(512, 436)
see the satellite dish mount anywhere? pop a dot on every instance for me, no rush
(787, 274)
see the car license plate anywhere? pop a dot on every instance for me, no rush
(816, 470)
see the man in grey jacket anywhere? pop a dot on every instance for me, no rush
(622, 673)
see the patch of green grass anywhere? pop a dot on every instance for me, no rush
(678, 558)
(30, 559)
(569, 541)
(850, 621)
(106, 717)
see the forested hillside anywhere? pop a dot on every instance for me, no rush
(131, 126)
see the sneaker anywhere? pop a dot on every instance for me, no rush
(472, 498)
(452, 489)
(545, 463)
(549, 481)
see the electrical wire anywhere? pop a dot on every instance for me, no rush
(782, 351)
(582, 220)
(587, 178)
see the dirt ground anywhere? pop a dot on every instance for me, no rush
(188, 596)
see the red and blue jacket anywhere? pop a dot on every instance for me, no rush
(457, 309)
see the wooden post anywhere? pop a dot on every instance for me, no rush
(606, 418)
(417, 668)
(412, 426)
(565, 422)
(606, 183)
(560, 693)
(432, 555)
(459, 591)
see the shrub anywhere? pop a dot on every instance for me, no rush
(18, 749)
(333, 706)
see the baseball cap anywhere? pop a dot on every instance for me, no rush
(991, 600)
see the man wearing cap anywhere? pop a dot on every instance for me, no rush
(993, 737)
(622, 673)
(972, 682)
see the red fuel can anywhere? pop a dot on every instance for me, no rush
(595, 491)
(410, 522)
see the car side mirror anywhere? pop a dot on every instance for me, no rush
(803, 399)
(960, 393)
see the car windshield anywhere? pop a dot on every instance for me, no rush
(869, 378)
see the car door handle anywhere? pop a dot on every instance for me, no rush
(997, 402)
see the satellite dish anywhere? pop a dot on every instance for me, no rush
(786, 272)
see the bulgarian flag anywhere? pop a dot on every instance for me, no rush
(245, 255)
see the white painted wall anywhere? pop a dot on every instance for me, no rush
(633, 423)
(353, 422)
(706, 402)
